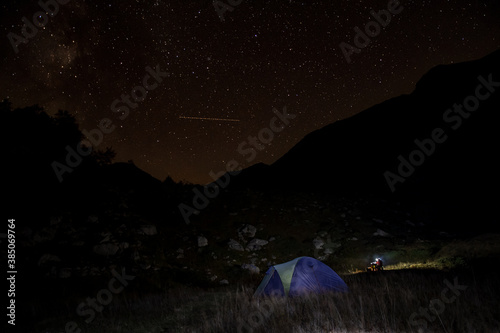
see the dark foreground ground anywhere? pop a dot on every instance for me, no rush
(409, 300)
(118, 270)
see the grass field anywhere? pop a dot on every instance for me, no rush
(407, 300)
(435, 281)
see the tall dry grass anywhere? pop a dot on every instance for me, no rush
(375, 303)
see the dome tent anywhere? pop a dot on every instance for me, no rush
(302, 275)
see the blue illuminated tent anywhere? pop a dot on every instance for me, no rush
(303, 275)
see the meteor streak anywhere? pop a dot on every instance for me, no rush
(206, 118)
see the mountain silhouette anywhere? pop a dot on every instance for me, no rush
(421, 147)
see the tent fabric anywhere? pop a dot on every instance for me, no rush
(271, 284)
(265, 281)
(313, 276)
(286, 271)
(301, 276)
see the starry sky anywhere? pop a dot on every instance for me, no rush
(221, 79)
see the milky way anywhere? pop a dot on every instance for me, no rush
(264, 55)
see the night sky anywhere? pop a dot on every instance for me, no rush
(225, 77)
